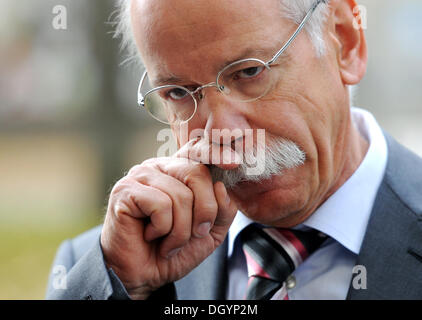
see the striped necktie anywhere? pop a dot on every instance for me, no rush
(272, 254)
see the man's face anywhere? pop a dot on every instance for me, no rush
(190, 41)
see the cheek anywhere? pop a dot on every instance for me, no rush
(290, 194)
(281, 116)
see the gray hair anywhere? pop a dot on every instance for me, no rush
(294, 10)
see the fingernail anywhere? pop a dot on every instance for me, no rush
(172, 253)
(203, 229)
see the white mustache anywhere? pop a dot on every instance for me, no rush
(280, 154)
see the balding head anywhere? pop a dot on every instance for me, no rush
(293, 10)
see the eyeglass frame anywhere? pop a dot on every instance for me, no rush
(141, 97)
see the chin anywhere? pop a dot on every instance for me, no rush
(277, 201)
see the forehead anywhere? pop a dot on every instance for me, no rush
(202, 33)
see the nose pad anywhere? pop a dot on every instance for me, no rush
(199, 92)
(223, 89)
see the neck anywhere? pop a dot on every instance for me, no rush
(355, 148)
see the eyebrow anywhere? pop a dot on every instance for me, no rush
(255, 53)
(164, 80)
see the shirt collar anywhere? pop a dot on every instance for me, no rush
(345, 215)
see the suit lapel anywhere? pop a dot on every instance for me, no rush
(207, 281)
(391, 250)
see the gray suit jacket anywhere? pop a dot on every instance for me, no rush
(391, 249)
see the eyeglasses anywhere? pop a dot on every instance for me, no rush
(244, 80)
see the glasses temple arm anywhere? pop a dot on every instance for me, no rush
(140, 95)
(296, 33)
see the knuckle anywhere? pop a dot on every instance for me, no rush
(120, 186)
(154, 162)
(144, 176)
(142, 173)
(120, 208)
(144, 166)
(132, 171)
(208, 208)
(185, 196)
(148, 162)
(197, 170)
(163, 204)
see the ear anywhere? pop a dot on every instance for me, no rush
(349, 41)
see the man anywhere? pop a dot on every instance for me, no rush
(238, 67)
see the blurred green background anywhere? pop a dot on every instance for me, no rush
(70, 127)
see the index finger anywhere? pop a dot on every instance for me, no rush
(203, 151)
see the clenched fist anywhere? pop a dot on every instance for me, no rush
(163, 219)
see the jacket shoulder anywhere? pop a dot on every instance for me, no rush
(83, 242)
(404, 175)
(392, 247)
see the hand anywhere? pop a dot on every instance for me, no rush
(163, 219)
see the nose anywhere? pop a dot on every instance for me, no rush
(224, 122)
(221, 115)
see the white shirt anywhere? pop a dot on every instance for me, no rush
(327, 273)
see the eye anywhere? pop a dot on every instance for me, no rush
(177, 94)
(249, 72)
